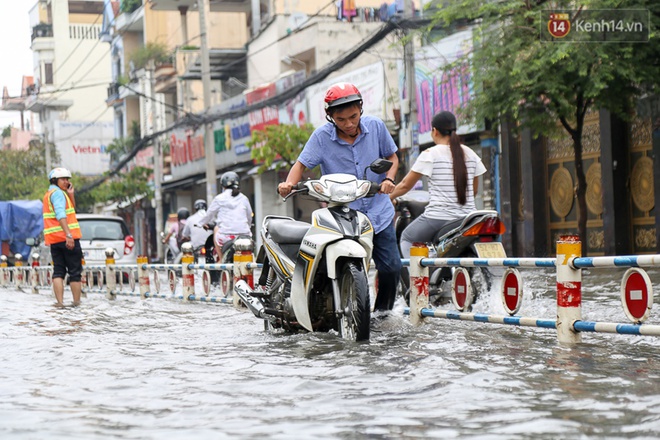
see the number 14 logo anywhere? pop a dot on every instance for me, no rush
(559, 25)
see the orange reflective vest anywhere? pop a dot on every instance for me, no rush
(53, 232)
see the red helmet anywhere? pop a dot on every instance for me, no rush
(342, 93)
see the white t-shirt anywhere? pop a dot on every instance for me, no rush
(232, 215)
(194, 230)
(437, 163)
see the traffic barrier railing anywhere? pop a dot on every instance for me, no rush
(636, 290)
(108, 278)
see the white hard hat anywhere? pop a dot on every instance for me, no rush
(59, 172)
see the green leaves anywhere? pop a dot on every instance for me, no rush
(278, 146)
(517, 73)
(23, 176)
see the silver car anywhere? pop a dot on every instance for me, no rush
(100, 232)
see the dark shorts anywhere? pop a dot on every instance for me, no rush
(67, 260)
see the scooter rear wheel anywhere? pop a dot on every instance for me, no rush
(354, 302)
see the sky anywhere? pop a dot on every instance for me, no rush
(16, 61)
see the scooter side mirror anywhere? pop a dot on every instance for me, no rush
(379, 166)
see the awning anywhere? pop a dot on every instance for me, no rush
(200, 178)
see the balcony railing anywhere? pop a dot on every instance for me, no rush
(42, 30)
(113, 91)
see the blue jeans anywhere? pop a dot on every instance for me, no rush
(388, 263)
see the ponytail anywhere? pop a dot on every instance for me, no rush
(460, 170)
(445, 123)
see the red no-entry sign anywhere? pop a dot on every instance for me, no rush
(511, 291)
(461, 289)
(636, 294)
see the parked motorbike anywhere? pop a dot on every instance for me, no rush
(473, 236)
(314, 276)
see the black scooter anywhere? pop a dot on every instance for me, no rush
(473, 236)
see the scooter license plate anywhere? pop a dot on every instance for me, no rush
(490, 250)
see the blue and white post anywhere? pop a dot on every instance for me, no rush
(569, 289)
(419, 283)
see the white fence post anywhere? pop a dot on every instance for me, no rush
(187, 274)
(110, 276)
(419, 283)
(143, 275)
(569, 289)
(242, 256)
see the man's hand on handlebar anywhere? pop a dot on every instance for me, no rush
(386, 187)
(284, 188)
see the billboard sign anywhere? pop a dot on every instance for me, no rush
(82, 145)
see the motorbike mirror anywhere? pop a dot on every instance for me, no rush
(379, 166)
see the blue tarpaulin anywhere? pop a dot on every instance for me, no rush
(20, 220)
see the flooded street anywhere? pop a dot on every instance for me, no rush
(166, 369)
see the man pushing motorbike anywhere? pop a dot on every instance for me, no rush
(348, 143)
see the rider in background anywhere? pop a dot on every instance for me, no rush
(231, 212)
(193, 230)
(348, 144)
(454, 171)
(173, 236)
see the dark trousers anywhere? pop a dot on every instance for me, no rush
(67, 260)
(388, 263)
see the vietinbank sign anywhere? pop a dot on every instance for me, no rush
(83, 145)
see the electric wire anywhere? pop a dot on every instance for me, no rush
(319, 76)
(84, 60)
(86, 125)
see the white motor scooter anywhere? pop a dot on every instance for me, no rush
(315, 275)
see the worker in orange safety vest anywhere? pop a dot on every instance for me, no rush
(62, 234)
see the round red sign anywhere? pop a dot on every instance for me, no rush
(461, 289)
(511, 291)
(636, 294)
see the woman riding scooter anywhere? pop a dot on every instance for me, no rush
(453, 170)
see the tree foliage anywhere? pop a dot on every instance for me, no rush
(152, 51)
(279, 146)
(549, 86)
(23, 176)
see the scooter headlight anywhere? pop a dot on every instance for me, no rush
(343, 192)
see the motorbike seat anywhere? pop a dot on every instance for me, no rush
(287, 231)
(462, 223)
(447, 228)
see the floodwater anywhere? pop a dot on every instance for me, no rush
(167, 369)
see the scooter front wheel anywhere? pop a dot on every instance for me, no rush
(354, 302)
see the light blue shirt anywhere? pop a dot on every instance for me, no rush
(335, 155)
(59, 202)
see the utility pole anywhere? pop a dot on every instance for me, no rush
(209, 144)
(411, 88)
(158, 162)
(44, 124)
